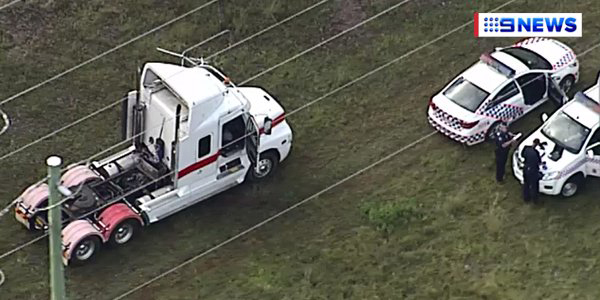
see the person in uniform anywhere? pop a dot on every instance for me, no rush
(531, 171)
(503, 140)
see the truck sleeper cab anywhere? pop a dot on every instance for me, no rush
(194, 134)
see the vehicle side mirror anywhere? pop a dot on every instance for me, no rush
(544, 117)
(590, 154)
(268, 125)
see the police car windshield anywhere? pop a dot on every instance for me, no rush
(566, 132)
(531, 59)
(466, 94)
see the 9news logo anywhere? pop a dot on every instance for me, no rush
(528, 24)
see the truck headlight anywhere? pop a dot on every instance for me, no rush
(551, 175)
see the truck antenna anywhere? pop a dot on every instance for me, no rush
(192, 60)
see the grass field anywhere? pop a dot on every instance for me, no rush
(428, 224)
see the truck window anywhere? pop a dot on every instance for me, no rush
(204, 146)
(233, 134)
(149, 78)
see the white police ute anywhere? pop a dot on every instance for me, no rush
(571, 138)
(503, 86)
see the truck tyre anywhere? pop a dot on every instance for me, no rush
(567, 83)
(572, 186)
(267, 164)
(489, 135)
(124, 232)
(85, 250)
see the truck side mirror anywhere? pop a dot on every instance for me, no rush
(544, 117)
(590, 154)
(268, 125)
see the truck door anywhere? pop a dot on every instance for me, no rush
(233, 158)
(555, 93)
(593, 155)
(252, 140)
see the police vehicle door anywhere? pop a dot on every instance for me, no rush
(534, 88)
(233, 158)
(555, 93)
(507, 104)
(593, 155)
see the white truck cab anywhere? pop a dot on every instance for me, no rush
(571, 138)
(193, 134)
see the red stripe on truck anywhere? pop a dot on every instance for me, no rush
(213, 158)
(199, 164)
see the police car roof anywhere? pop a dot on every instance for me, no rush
(487, 77)
(585, 107)
(484, 76)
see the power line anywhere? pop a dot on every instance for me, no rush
(274, 217)
(385, 11)
(260, 74)
(366, 75)
(316, 195)
(267, 29)
(120, 197)
(116, 103)
(57, 76)
(9, 4)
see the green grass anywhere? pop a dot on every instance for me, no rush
(427, 224)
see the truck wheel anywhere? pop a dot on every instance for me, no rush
(266, 166)
(124, 232)
(567, 83)
(85, 250)
(572, 186)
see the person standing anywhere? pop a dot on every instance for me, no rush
(531, 172)
(503, 140)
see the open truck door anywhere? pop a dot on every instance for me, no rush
(252, 142)
(555, 93)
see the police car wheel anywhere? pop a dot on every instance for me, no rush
(567, 83)
(571, 187)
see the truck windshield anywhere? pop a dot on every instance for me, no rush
(566, 132)
(466, 94)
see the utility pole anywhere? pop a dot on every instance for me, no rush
(57, 275)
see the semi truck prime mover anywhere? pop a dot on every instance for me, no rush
(194, 134)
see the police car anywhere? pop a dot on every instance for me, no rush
(503, 86)
(572, 150)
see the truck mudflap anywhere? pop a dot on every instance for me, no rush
(29, 201)
(77, 175)
(114, 216)
(81, 241)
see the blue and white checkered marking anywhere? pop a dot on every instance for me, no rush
(503, 112)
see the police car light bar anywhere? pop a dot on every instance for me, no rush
(496, 64)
